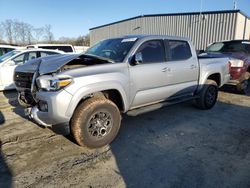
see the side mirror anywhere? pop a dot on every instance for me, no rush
(138, 58)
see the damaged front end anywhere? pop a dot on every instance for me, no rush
(26, 88)
(40, 86)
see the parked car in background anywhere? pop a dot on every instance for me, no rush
(239, 52)
(131, 74)
(10, 60)
(7, 48)
(81, 49)
(68, 48)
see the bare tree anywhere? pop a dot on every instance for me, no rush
(38, 33)
(1, 33)
(86, 40)
(49, 37)
(8, 30)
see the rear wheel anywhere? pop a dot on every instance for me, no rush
(95, 122)
(244, 86)
(208, 95)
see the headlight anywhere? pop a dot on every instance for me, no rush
(58, 84)
(49, 83)
(236, 63)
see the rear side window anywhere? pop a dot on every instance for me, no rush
(152, 51)
(31, 55)
(179, 50)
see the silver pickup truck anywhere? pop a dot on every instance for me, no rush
(131, 74)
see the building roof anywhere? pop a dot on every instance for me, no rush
(174, 14)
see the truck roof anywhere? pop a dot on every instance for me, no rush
(154, 36)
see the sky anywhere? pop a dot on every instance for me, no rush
(71, 18)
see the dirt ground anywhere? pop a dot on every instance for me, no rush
(177, 146)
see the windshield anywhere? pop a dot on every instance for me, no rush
(8, 55)
(114, 49)
(228, 47)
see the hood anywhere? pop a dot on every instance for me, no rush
(53, 63)
(46, 64)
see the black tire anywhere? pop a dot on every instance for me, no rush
(244, 85)
(95, 122)
(208, 95)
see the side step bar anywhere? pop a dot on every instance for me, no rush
(157, 106)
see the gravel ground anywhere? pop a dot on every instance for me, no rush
(177, 146)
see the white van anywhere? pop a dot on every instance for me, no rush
(68, 48)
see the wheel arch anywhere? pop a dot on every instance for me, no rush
(115, 94)
(215, 77)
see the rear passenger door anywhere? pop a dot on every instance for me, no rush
(183, 68)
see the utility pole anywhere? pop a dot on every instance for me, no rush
(201, 7)
(235, 4)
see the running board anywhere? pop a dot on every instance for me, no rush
(157, 106)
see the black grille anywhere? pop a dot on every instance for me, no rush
(23, 79)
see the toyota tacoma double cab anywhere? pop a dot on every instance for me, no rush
(130, 74)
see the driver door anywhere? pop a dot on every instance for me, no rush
(149, 79)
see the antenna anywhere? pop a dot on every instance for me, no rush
(201, 9)
(235, 4)
(201, 6)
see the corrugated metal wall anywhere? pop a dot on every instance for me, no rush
(202, 29)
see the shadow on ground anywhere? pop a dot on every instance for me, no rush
(2, 119)
(229, 89)
(11, 96)
(177, 146)
(169, 148)
(5, 173)
(181, 146)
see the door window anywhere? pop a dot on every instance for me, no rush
(152, 51)
(179, 50)
(19, 59)
(31, 55)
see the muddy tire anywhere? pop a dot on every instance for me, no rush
(208, 95)
(244, 85)
(95, 122)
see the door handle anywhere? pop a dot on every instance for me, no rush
(193, 66)
(166, 69)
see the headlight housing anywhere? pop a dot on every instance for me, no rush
(236, 63)
(53, 83)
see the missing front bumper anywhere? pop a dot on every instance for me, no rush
(32, 114)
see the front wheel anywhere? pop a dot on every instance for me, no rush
(95, 122)
(208, 95)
